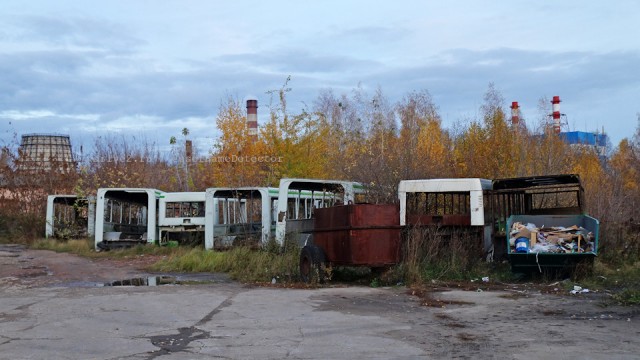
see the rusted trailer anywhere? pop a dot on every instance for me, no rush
(352, 235)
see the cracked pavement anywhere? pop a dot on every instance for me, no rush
(42, 317)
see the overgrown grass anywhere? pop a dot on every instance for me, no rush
(85, 247)
(621, 280)
(428, 254)
(432, 253)
(243, 264)
(617, 268)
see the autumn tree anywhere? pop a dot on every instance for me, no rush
(625, 171)
(342, 121)
(489, 148)
(424, 147)
(234, 161)
(364, 140)
(119, 161)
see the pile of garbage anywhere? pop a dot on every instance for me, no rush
(529, 238)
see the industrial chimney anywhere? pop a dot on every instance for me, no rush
(515, 114)
(556, 114)
(188, 150)
(252, 118)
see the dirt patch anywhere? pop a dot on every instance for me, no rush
(32, 268)
(430, 297)
(466, 337)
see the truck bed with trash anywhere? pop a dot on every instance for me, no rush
(537, 242)
(546, 225)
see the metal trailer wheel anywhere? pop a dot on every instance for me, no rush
(312, 261)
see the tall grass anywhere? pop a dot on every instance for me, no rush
(441, 253)
(85, 247)
(242, 263)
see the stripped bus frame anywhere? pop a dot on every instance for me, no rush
(181, 216)
(295, 216)
(70, 216)
(126, 216)
(239, 216)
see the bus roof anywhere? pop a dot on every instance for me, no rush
(536, 181)
(317, 184)
(444, 185)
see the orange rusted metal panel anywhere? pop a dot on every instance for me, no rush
(359, 234)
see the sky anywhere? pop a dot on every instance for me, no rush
(148, 69)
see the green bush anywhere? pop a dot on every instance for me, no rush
(21, 228)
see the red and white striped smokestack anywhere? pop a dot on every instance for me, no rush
(556, 114)
(515, 114)
(252, 117)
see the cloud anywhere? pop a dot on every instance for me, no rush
(61, 90)
(296, 61)
(75, 32)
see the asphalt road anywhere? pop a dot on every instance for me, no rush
(75, 317)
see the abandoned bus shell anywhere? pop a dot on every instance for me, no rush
(456, 204)
(239, 216)
(295, 215)
(181, 217)
(70, 217)
(126, 216)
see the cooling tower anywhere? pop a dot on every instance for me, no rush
(43, 152)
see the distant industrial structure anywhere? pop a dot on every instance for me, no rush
(556, 115)
(593, 140)
(252, 119)
(45, 152)
(598, 141)
(515, 115)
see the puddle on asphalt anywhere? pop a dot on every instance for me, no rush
(158, 280)
(146, 281)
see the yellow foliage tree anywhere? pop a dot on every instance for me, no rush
(490, 149)
(423, 147)
(625, 162)
(236, 160)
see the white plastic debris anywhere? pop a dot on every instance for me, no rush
(273, 281)
(578, 290)
(485, 279)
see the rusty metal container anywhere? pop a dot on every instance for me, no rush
(359, 234)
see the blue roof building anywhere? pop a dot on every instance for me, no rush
(598, 141)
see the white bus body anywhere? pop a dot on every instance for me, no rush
(239, 215)
(68, 212)
(126, 216)
(447, 202)
(181, 212)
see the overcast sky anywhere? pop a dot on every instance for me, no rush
(151, 68)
